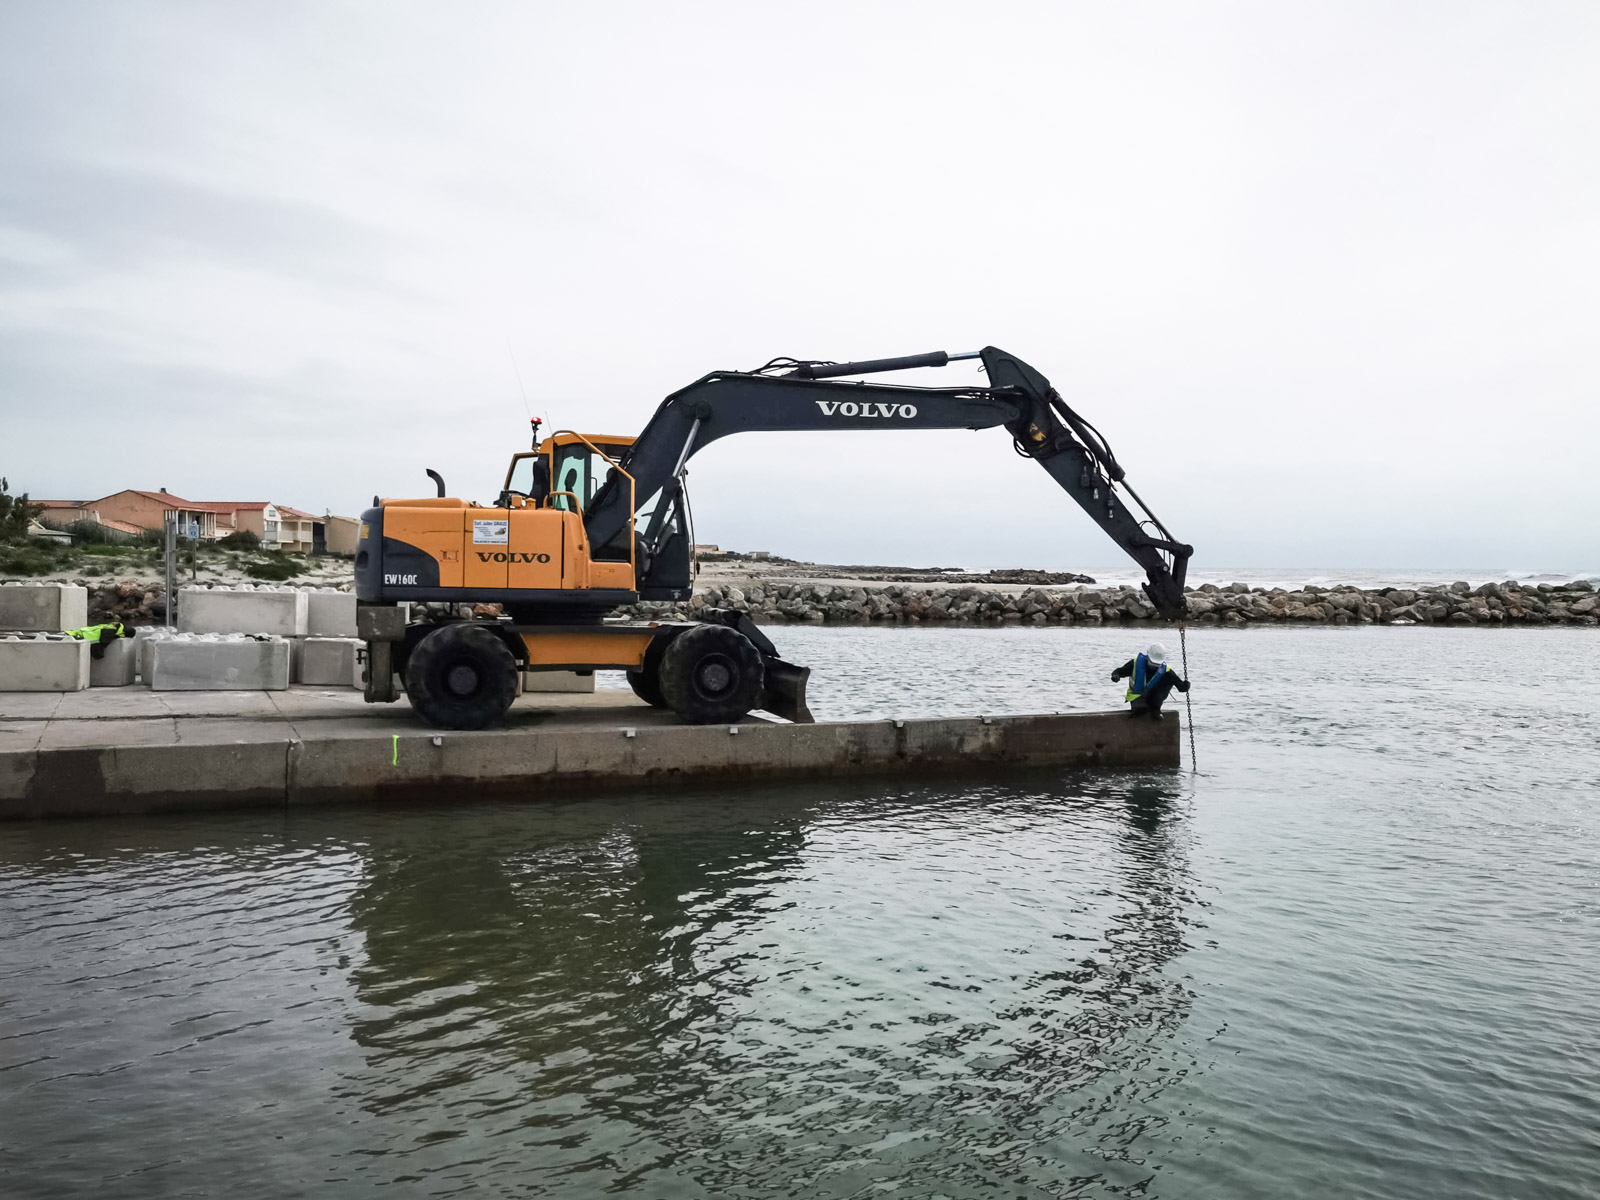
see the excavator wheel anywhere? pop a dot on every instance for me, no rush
(461, 677)
(646, 681)
(711, 674)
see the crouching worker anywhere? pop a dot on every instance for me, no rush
(1149, 681)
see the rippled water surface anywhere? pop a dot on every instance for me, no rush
(1356, 956)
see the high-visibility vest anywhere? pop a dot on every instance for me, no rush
(95, 633)
(1141, 681)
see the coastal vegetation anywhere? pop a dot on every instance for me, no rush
(15, 514)
(40, 557)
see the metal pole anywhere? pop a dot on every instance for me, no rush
(1188, 704)
(170, 528)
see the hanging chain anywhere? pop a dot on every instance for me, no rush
(1183, 642)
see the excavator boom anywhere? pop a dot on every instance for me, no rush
(787, 395)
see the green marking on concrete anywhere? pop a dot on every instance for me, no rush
(394, 760)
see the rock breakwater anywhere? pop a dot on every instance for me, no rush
(131, 601)
(139, 602)
(1235, 605)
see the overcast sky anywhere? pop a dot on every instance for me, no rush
(1327, 276)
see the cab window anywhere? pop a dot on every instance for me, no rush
(581, 471)
(571, 474)
(521, 476)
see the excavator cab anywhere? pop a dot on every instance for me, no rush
(569, 470)
(578, 466)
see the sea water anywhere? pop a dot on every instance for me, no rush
(1354, 955)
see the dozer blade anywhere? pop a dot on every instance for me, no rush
(785, 692)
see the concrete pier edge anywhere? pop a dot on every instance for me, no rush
(218, 772)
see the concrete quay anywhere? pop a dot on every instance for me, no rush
(127, 751)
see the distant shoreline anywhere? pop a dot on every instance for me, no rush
(796, 601)
(788, 592)
(719, 566)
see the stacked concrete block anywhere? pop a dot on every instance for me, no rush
(330, 662)
(278, 612)
(214, 662)
(557, 681)
(331, 613)
(43, 607)
(117, 665)
(42, 662)
(144, 636)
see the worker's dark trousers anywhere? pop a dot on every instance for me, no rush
(1155, 697)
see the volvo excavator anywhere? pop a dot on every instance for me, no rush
(586, 523)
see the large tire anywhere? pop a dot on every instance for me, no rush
(461, 677)
(646, 681)
(711, 674)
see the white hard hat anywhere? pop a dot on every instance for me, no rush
(1157, 653)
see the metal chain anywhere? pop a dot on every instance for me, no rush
(1183, 642)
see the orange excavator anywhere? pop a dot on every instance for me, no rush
(586, 523)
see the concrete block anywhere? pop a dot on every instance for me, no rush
(202, 756)
(330, 662)
(331, 613)
(43, 607)
(279, 612)
(143, 636)
(117, 666)
(210, 662)
(557, 681)
(39, 662)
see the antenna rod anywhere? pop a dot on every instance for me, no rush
(526, 407)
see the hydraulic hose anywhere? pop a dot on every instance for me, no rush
(937, 358)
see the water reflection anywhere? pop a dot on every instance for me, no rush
(820, 991)
(815, 992)
(554, 944)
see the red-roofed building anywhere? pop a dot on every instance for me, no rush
(297, 531)
(132, 511)
(255, 516)
(62, 510)
(277, 525)
(266, 520)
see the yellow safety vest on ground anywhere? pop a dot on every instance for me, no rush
(96, 633)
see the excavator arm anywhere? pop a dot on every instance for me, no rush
(787, 395)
